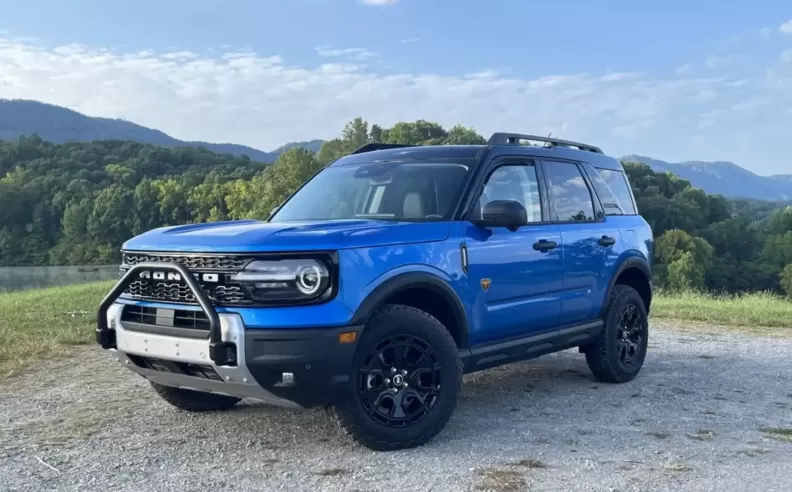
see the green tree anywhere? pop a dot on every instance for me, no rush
(684, 258)
(786, 280)
(684, 273)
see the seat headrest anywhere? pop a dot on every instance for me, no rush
(413, 206)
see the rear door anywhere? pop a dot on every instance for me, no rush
(588, 240)
(515, 276)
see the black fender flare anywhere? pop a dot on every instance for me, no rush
(412, 280)
(632, 262)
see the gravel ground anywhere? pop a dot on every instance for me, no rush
(698, 417)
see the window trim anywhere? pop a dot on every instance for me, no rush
(481, 181)
(599, 210)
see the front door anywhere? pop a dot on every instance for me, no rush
(515, 276)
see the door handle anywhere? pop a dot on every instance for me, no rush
(607, 241)
(544, 245)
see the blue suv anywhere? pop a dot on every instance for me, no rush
(387, 276)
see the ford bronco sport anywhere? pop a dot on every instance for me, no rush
(387, 276)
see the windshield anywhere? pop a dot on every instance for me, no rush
(406, 191)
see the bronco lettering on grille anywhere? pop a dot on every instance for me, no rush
(176, 277)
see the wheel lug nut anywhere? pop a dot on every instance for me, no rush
(404, 372)
(387, 381)
(406, 385)
(393, 370)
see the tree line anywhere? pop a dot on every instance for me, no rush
(76, 203)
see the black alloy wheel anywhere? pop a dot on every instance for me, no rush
(399, 381)
(617, 356)
(404, 381)
(629, 335)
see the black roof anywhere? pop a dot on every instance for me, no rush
(499, 144)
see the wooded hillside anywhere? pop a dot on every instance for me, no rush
(75, 203)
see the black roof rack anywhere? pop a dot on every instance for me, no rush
(501, 138)
(370, 147)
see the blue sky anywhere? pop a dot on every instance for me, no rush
(679, 80)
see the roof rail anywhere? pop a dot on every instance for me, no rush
(500, 138)
(372, 146)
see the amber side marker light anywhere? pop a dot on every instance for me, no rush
(347, 337)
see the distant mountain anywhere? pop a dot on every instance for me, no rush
(725, 178)
(58, 125)
(312, 145)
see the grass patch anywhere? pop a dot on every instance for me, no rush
(678, 467)
(750, 310)
(495, 480)
(530, 463)
(45, 322)
(778, 433)
(703, 435)
(331, 472)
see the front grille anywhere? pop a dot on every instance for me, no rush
(222, 292)
(178, 318)
(193, 262)
(187, 369)
(153, 290)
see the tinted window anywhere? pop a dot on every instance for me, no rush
(571, 194)
(514, 182)
(617, 182)
(609, 201)
(383, 191)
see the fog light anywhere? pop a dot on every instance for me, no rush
(287, 378)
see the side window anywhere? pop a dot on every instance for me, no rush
(570, 193)
(617, 182)
(514, 182)
(610, 203)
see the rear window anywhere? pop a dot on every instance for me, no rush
(614, 192)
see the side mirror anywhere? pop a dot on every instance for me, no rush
(503, 213)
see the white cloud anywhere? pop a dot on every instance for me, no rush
(357, 54)
(786, 27)
(786, 56)
(683, 69)
(766, 32)
(263, 101)
(409, 40)
(379, 3)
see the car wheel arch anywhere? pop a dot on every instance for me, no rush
(399, 286)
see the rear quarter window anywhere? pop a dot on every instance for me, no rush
(613, 190)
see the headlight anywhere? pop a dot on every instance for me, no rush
(285, 280)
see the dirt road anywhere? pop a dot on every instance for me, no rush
(708, 412)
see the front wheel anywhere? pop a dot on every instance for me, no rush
(406, 374)
(619, 353)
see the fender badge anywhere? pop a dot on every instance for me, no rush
(485, 284)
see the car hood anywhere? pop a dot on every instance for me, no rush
(243, 236)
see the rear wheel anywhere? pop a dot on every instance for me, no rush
(194, 401)
(618, 355)
(406, 374)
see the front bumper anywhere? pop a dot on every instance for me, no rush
(296, 368)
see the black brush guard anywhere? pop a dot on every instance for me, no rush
(220, 352)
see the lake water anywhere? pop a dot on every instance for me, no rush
(19, 278)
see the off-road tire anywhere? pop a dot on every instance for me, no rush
(194, 401)
(350, 414)
(602, 356)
